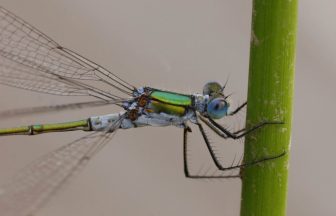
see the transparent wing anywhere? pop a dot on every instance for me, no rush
(53, 108)
(21, 76)
(31, 60)
(33, 187)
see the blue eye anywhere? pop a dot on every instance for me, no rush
(217, 108)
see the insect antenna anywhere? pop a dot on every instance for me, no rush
(227, 79)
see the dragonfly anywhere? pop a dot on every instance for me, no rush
(31, 60)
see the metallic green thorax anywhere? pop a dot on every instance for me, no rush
(172, 98)
(45, 128)
(170, 102)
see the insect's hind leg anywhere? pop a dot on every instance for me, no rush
(230, 135)
(185, 161)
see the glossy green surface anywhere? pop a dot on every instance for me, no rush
(14, 130)
(172, 98)
(160, 107)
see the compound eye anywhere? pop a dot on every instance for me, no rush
(217, 108)
(212, 89)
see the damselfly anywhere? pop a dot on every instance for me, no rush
(33, 61)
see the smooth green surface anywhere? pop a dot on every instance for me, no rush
(82, 124)
(44, 128)
(270, 96)
(172, 98)
(159, 107)
(15, 130)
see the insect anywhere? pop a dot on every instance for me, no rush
(31, 60)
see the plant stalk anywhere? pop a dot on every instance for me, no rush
(270, 97)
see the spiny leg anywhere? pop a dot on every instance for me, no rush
(224, 133)
(185, 161)
(238, 109)
(218, 129)
(240, 133)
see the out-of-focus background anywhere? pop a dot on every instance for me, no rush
(177, 45)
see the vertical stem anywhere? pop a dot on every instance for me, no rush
(270, 94)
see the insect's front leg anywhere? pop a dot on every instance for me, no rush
(237, 109)
(223, 132)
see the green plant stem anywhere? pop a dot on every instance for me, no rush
(270, 95)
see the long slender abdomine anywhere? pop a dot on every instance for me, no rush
(46, 128)
(162, 109)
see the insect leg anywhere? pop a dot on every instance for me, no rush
(185, 161)
(221, 131)
(238, 109)
(240, 133)
(185, 152)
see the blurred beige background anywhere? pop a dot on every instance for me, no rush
(177, 45)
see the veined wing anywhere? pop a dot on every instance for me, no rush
(19, 112)
(31, 60)
(21, 76)
(34, 185)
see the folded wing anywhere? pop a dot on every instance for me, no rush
(31, 60)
